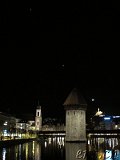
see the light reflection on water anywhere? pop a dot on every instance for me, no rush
(55, 148)
(104, 148)
(75, 151)
(4, 153)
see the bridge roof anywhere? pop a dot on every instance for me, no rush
(75, 98)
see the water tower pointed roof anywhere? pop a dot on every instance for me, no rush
(75, 99)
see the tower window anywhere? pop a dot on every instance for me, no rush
(37, 123)
(38, 113)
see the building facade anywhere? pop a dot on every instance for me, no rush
(105, 122)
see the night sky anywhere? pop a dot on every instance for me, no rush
(48, 50)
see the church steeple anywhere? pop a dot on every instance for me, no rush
(38, 111)
(38, 118)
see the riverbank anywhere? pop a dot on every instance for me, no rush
(6, 143)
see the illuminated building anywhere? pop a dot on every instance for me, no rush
(105, 122)
(99, 113)
(23, 125)
(7, 124)
(38, 119)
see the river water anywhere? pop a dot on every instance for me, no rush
(55, 148)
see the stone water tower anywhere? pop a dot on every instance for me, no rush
(75, 107)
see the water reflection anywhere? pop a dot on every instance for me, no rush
(75, 151)
(53, 148)
(38, 152)
(56, 148)
(4, 153)
(19, 151)
(104, 148)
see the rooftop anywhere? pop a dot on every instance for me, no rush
(75, 98)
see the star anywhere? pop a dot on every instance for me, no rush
(93, 99)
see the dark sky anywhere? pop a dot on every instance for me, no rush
(47, 50)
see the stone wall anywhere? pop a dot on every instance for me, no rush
(75, 125)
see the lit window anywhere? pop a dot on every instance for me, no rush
(107, 118)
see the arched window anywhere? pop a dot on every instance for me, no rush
(38, 114)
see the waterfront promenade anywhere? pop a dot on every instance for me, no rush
(103, 133)
(90, 133)
(9, 142)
